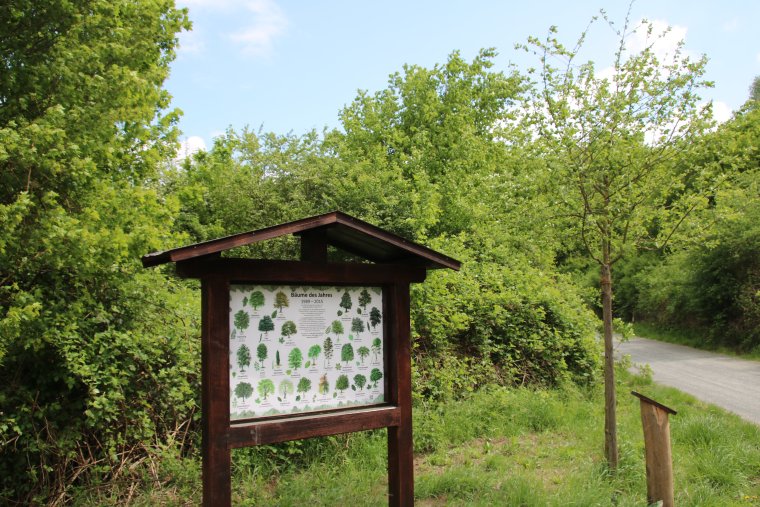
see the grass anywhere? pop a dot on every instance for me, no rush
(520, 447)
(690, 339)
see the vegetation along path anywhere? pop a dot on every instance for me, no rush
(728, 382)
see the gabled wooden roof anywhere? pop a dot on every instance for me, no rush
(341, 231)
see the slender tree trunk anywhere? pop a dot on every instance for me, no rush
(610, 420)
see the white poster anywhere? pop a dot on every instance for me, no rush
(299, 349)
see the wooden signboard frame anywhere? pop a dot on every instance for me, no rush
(400, 263)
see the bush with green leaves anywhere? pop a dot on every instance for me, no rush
(98, 357)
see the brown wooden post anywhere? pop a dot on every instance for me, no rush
(400, 448)
(314, 246)
(215, 410)
(659, 461)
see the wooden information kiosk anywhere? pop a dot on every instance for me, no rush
(308, 348)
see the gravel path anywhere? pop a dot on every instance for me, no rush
(728, 382)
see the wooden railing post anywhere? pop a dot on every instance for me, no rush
(659, 460)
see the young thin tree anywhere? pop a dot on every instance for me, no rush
(607, 140)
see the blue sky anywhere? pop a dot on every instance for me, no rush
(292, 66)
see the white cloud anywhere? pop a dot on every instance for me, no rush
(188, 146)
(269, 22)
(663, 39)
(721, 111)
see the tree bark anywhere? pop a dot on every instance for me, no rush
(610, 419)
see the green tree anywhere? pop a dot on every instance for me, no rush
(85, 130)
(357, 325)
(347, 353)
(363, 352)
(324, 385)
(289, 329)
(364, 298)
(608, 142)
(295, 358)
(328, 348)
(342, 383)
(261, 353)
(266, 387)
(345, 301)
(313, 353)
(277, 359)
(256, 299)
(243, 390)
(304, 385)
(336, 328)
(266, 324)
(286, 388)
(281, 301)
(243, 357)
(242, 320)
(374, 317)
(375, 375)
(377, 346)
(360, 381)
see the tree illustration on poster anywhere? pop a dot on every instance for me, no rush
(303, 314)
(340, 360)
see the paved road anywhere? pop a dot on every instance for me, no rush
(728, 382)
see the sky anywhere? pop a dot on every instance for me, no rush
(289, 67)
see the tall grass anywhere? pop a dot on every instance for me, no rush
(500, 446)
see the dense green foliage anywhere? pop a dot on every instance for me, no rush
(710, 280)
(99, 357)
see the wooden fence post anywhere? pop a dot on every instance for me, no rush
(659, 460)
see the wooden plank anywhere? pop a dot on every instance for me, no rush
(308, 426)
(314, 245)
(215, 394)
(659, 460)
(343, 230)
(400, 450)
(235, 240)
(267, 271)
